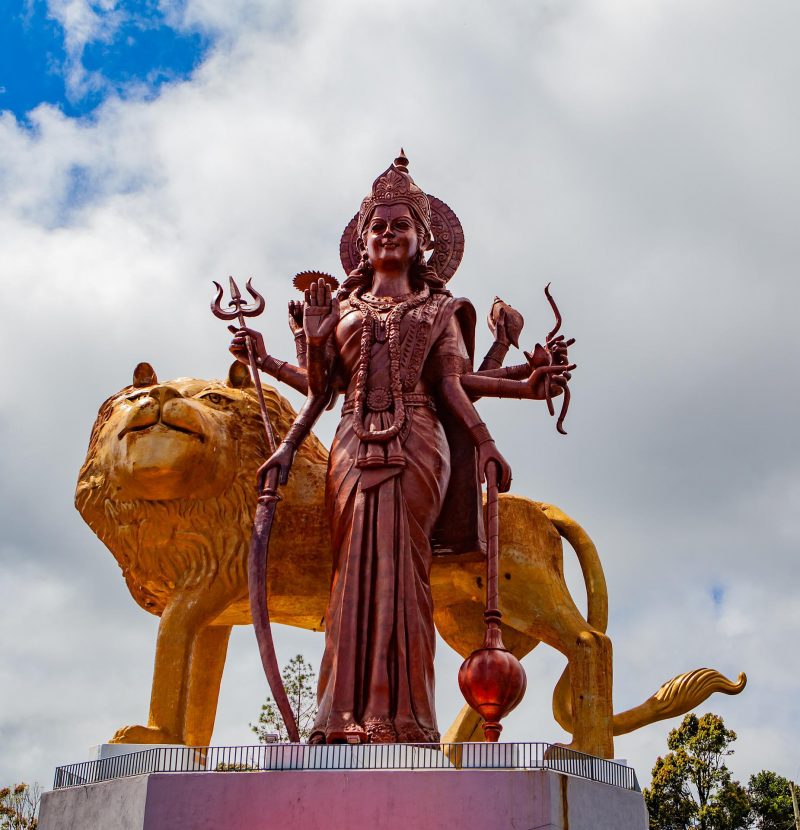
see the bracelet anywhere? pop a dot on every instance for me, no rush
(294, 437)
(497, 353)
(480, 434)
(271, 366)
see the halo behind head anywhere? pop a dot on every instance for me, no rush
(395, 186)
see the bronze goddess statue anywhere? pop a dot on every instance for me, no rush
(410, 451)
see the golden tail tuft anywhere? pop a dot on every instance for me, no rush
(676, 697)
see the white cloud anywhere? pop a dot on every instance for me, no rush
(640, 156)
(83, 22)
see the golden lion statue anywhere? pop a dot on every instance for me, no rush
(168, 486)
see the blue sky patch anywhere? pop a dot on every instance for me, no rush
(136, 53)
(717, 595)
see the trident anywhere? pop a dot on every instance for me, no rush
(240, 311)
(265, 513)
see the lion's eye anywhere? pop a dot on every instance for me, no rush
(137, 395)
(217, 400)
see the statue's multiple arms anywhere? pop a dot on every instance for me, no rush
(293, 376)
(532, 388)
(320, 317)
(453, 394)
(283, 456)
(502, 340)
(296, 325)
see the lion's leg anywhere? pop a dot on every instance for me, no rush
(590, 677)
(208, 662)
(186, 614)
(591, 687)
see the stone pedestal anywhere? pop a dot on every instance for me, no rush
(334, 799)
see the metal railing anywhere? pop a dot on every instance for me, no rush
(524, 756)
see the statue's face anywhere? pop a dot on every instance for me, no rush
(391, 237)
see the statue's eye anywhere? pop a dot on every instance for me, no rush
(217, 400)
(137, 395)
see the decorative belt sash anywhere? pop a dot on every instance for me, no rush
(379, 400)
(384, 454)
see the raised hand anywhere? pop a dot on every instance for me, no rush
(295, 316)
(505, 323)
(320, 314)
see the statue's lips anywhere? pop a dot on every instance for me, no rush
(159, 426)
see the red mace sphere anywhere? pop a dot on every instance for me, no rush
(493, 682)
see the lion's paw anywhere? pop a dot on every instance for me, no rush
(143, 735)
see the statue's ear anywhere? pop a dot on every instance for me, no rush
(144, 375)
(239, 376)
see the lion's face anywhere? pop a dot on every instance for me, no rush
(173, 440)
(169, 479)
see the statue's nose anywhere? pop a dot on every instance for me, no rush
(164, 393)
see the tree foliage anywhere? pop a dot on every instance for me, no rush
(300, 683)
(19, 806)
(771, 801)
(692, 787)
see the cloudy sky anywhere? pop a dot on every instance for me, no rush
(638, 154)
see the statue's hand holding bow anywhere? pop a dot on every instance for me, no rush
(320, 314)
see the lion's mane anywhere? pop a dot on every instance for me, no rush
(165, 545)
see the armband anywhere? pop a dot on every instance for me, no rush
(450, 364)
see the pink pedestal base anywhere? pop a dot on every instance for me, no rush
(330, 800)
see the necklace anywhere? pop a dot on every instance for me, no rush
(371, 321)
(372, 299)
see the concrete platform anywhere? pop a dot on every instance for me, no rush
(334, 799)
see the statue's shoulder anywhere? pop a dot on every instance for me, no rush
(459, 307)
(461, 311)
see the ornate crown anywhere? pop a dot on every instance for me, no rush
(395, 186)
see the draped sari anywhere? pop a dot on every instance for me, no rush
(376, 678)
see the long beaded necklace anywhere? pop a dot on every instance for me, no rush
(370, 322)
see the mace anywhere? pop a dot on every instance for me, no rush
(491, 679)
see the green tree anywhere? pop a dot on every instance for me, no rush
(301, 689)
(19, 806)
(771, 801)
(692, 788)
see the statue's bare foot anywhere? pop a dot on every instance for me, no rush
(143, 735)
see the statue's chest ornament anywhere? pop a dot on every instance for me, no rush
(381, 326)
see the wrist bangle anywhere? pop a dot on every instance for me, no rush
(296, 434)
(271, 365)
(480, 434)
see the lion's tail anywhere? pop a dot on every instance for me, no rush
(676, 697)
(588, 559)
(596, 595)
